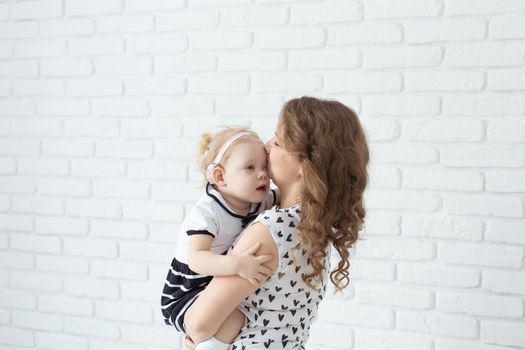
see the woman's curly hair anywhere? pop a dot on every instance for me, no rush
(330, 144)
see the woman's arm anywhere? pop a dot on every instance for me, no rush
(204, 318)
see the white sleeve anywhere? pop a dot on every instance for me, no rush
(201, 220)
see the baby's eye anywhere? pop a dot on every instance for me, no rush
(251, 167)
(275, 143)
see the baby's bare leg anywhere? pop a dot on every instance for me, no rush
(231, 327)
(226, 334)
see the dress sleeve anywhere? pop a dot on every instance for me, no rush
(201, 220)
(269, 219)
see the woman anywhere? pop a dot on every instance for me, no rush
(318, 159)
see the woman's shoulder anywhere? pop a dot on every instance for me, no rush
(293, 212)
(279, 217)
(281, 222)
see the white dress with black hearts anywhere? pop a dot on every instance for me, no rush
(279, 314)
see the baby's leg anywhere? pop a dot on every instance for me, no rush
(226, 333)
(231, 327)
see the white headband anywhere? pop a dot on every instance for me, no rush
(222, 150)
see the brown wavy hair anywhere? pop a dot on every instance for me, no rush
(331, 147)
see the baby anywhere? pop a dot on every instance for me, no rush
(233, 163)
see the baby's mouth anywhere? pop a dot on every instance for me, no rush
(261, 188)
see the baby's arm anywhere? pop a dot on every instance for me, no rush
(203, 261)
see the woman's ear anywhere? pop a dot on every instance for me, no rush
(218, 176)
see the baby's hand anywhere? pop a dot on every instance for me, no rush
(251, 268)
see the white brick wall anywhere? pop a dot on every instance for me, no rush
(101, 106)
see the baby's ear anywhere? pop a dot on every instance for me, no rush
(218, 176)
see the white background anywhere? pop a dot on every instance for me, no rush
(101, 106)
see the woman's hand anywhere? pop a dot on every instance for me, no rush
(250, 267)
(189, 344)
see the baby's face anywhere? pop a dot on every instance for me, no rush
(245, 172)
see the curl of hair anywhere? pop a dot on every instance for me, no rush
(330, 144)
(205, 143)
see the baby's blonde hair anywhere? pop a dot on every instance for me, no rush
(211, 144)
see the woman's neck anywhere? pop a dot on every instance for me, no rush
(289, 196)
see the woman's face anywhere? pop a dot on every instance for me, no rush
(283, 166)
